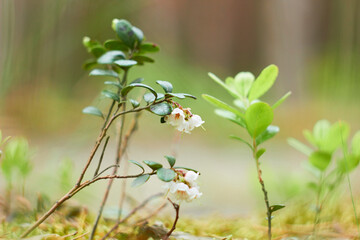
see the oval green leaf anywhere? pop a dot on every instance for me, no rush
(258, 117)
(131, 86)
(171, 160)
(137, 164)
(110, 95)
(93, 111)
(165, 85)
(320, 160)
(153, 165)
(110, 57)
(165, 174)
(161, 109)
(125, 63)
(125, 32)
(102, 72)
(140, 180)
(264, 82)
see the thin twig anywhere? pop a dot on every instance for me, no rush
(84, 234)
(177, 208)
(101, 157)
(142, 205)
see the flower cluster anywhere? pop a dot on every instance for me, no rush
(183, 187)
(183, 120)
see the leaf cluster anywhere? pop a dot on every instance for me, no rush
(165, 174)
(247, 110)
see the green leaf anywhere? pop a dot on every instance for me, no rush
(321, 130)
(320, 160)
(134, 103)
(274, 208)
(241, 140)
(116, 84)
(263, 82)
(142, 59)
(260, 152)
(299, 146)
(225, 86)
(131, 86)
(97, 51)
(281, 100)
(171, 160)
(110, 57)
(218, 103)
(165, 85)
(89, 64)
(166, 175)
(177, 95)
(125, 32)
(138, 80)
(149, 47)
(348, 163)
(161, 109)
(309, 137)
(231, 116)
(93, 111)
(355, 144)
(138, 33)
(338, 133)
(188, 95)
(270, 132)
(137, 164)
(110, 95)
(186, 168)
(240, 104)
(243, 82)
(125, 63)
(153, 165)
(140, 180)
(258, 117)
(113, 44)
(102, 72)
(149, 97)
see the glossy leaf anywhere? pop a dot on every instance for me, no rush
(161, 109)
(125, 63)
(149, 97)
(110, 95)
(165, 85)
(299, 146)
(93, 111)
(102, 72)
(140, 180)
(218, 103)
(166, 175)
(240, 104)
(243, 82)
(171, 160)
(110, 57)
(153, 165)
(231, 116)
(186, 168)
(138, 33)
(177, 95)
(258, 117)
(131, 86)
(270, 132)
(113, 44)
(125, 32)
(281, 100)
(274, 208)
(188, 95)
(142, 59)
(149, 47)
(89, 64)
(116, 84)
(137, 164)
(263, 82)
(260, 152)
(138, 80)
(98, 51)
(134, 103)
(320, 160)
(241, 140)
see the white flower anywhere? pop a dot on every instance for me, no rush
(191, 177)
(183, 120)
(184, 188)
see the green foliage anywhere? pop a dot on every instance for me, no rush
(93, 111)
(16, 160)
(165, 174)
(153, 165)
(140, 180)
(161, 109)
(258, 117)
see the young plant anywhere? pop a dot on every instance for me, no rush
(253, 115)
(325, 140)
(114, 59)
(15, 165)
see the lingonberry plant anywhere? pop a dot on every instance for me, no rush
(326, 139)
(114, 59)
(253, 115)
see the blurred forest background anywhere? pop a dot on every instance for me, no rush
(43, 88)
